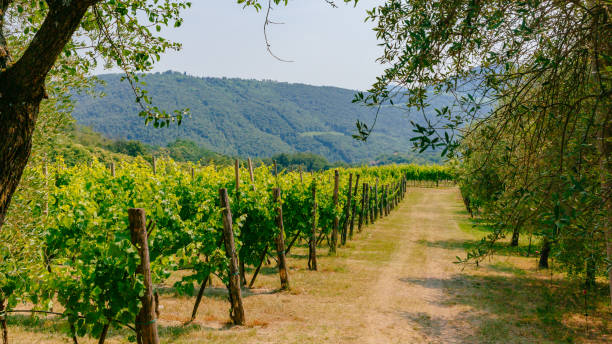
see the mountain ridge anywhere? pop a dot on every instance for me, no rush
(245, 117)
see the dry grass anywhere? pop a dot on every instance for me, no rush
(395, 283)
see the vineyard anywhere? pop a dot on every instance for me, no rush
(101, 238)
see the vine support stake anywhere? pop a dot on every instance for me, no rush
(301, 176)
(146, 322)
(377, 208)
(46, 175)
(240, 254)
(235, 295)
(312, 243)
(364, 195)
(347, 209)
(352, 223)
(251, 173)
(280, 241)
(334, 237)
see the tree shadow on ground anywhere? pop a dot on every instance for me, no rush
(513, 310)
(57, 325)
(500, 248)
(219, 293)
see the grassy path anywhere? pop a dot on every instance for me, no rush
(406, 294)
(395, 283)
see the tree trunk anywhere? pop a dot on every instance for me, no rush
(602, 45)
(590, 274)
(22, 89)
(103, 334)
(3, 323)
(544, 253)
(261, 261)
(515, 236)
(198, 299)
(17, 123)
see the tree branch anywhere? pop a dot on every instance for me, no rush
(30, 71)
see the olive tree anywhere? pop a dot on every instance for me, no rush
(547, 63)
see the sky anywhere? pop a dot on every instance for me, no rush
(329, 46)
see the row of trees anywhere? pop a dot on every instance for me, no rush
(530, 120)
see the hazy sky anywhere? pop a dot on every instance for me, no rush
(330, 46)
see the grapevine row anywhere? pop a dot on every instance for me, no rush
(87, 260)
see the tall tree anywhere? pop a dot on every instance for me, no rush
(37, 38)
(546, 60)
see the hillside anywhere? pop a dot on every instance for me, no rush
(239, 117)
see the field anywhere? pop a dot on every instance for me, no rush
(395, 283)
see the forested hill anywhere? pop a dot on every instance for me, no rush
(250, 117)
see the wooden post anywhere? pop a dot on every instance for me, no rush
(393, 195)
(352, 224)
(241, 260)
(377, 208)
(400, 191)
(251, 172)
(372, 204)
(112, 168)
(386, 205)
(46, 174)
(154, 165)
(382, 201)
(237, 173)
(235, 295)
(192, 173)
(389, 198)
(280, 242)
(391, 205)
(312, 243)
(397, 193)
(334, 238)
(385, 199)
(347, 209)
(364, 195)
(301, 176)
(146, 322)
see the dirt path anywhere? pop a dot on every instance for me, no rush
(408, 290)
(387, 286)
